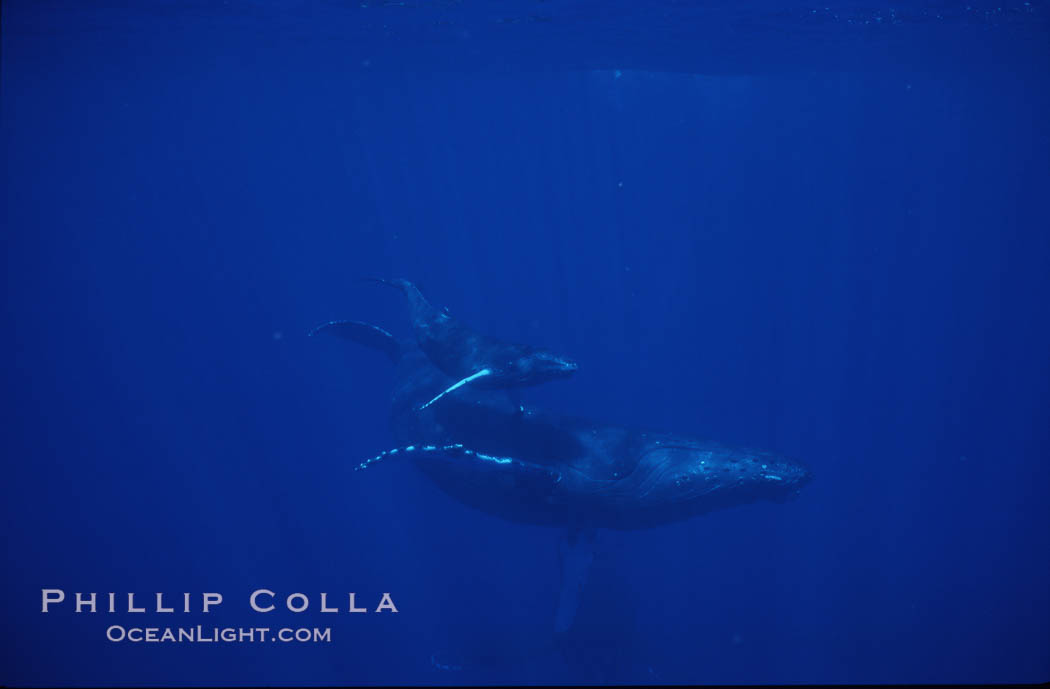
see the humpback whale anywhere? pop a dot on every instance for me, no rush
(468, 357)
(536, 467)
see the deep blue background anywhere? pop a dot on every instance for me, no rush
(817, 231)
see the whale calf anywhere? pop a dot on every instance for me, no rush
(469, 357)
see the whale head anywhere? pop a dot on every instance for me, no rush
(708, 470)
(531, 366)
(677, 478)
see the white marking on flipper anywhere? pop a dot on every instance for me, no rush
(435, 449)
(491, 458)
(479, 374)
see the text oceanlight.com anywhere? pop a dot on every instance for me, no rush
(202, 634)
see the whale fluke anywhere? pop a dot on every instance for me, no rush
(575, 554)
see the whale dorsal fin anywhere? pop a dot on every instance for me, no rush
(474, 376)
(364, 334)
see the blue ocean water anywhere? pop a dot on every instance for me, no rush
(819, 229)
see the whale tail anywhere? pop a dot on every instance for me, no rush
(422, 311)
(575, 554)
(363, 334)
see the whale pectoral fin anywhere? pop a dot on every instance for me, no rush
(480, 374)
(478, 467)
(362, 333)
(576, 552)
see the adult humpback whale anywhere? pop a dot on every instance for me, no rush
(469, 357)
(536, 467)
